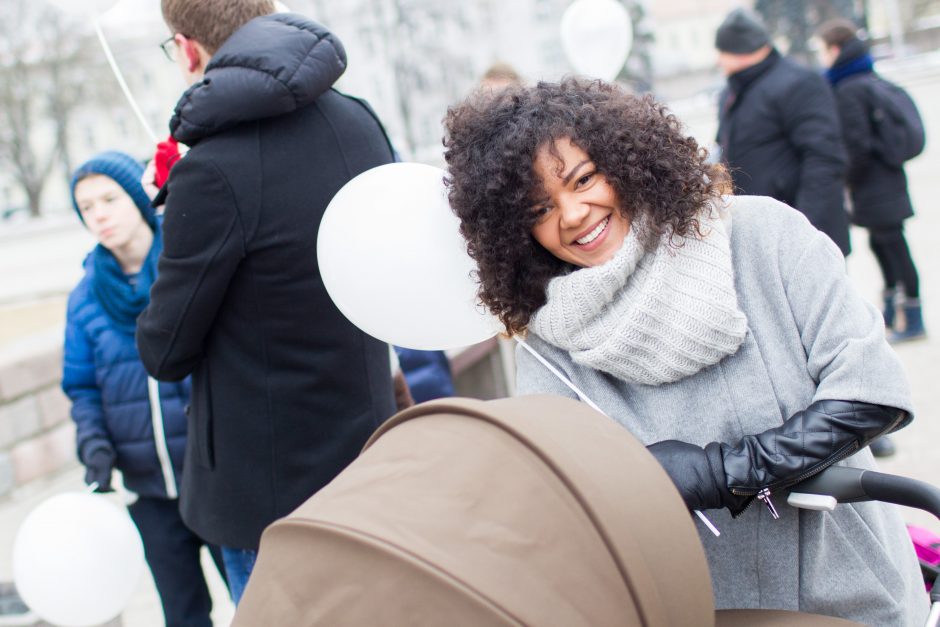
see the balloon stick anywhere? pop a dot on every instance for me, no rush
(122, 82)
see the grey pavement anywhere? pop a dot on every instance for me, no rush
(58, 250)
(41, 258)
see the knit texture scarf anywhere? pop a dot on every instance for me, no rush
(649, 317)
(122, 298)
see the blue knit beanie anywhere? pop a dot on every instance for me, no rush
(126, 172)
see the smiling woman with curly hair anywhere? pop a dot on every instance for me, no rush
(721, 331)
(493, 141)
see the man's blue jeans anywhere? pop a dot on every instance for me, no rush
(238, 566)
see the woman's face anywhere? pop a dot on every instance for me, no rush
(580, 219)
(109, 213)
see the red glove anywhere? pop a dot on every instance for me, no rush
(167, 154)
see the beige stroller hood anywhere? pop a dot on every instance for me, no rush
(527, 511)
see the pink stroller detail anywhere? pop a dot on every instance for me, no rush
(927, 547)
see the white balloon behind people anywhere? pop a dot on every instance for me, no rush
(596, 36)
(77, 559)
(86, 8)
(393, 260)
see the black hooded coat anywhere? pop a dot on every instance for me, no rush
(285, 389)
(779, 134)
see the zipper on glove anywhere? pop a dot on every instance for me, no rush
(764, 493)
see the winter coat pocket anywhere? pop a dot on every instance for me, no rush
(199, 419)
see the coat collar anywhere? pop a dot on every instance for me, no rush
(739, 81)
(271, 66)
(853, 59)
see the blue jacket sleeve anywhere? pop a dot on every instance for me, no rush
(80, 385)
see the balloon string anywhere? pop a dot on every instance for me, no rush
(561, 377)
(122, 83)
(587, 401)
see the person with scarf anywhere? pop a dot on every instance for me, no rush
(880, 199)
(778, 127)
(124, 419)
(721, 331)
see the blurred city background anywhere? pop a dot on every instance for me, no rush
(410, 59)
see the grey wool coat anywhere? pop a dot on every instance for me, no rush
(810, 337)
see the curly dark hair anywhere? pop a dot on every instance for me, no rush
(491, 142)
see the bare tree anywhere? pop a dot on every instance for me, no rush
(424, 66)
(45, 64)
(638, 69)
(797, 20)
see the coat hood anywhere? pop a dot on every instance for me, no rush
(271, 66)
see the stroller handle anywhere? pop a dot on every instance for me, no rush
(848, 485)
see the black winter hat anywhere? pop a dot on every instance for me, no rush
(741, 32)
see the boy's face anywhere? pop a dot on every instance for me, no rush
(109, 213)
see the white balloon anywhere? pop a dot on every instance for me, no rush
(77, 558)
(394, 262)
(596, 36)
(83, 8)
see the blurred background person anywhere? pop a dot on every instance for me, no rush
(124, 419)
(877, 182)
(500, 75)
(778, 127)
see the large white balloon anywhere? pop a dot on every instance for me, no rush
(596, 36)
(77, 559)
(394, 263)
(83, 8)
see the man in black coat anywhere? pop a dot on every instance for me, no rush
(285, 390)
(880, 200)
(779, 129)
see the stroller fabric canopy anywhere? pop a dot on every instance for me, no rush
(534, 510)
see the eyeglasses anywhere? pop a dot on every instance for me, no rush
(169, 48)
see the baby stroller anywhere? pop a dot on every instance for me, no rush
(508, 512)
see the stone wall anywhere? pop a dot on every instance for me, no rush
(37, 437)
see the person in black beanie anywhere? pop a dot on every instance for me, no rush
(878, 188)
(123, 419)
(778, 127)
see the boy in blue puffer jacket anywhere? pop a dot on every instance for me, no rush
(125, 419)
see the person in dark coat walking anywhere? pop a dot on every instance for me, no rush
(123, 419)
(779, 129)
(880, 199)
(285, 389)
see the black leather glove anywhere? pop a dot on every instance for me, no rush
(698, 473)
(98, 469)
(808, 442)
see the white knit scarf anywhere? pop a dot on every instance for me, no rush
(650, 317)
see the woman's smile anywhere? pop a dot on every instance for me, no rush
(595, 237)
